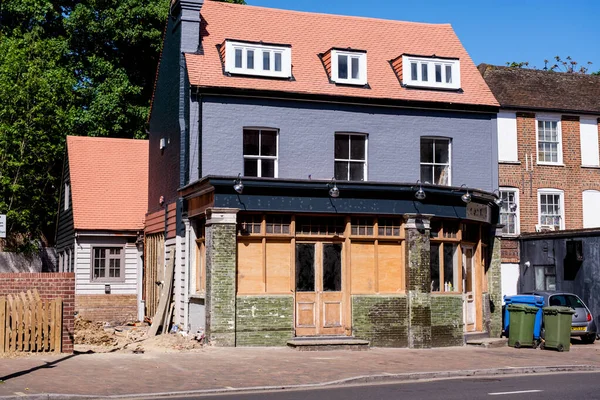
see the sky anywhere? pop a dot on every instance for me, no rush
(492, 31)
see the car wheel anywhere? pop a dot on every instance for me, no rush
(589, 339)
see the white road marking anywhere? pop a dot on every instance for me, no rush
(516, 392)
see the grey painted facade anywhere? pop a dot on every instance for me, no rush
(306, 139)
(579, 277)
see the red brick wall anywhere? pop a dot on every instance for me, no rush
(49, 286)
(107, 307)
(571, 177)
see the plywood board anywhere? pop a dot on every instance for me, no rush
(362, 261)
(391, 267)
(278, 267)
(250, 277)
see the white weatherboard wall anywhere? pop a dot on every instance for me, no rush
(510, 279)
(83, 266)
(507, 137)
(589, 142)
(591, 208)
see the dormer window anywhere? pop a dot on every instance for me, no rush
(431, 72)
(349, 67)
(258, 59)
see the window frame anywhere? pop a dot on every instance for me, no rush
(516, 212)
(434, 164)
(261, 157)
(362, 67)
(551, 191)
(583, 131)
(559, 149)
(121, 257)
(258, 69)
(430, 62)
(350, 160)
(67, 196)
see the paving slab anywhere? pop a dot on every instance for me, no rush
(212, 368)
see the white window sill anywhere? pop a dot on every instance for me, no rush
(200, 296)
(547, 164)
(591, 166)
(509, 162)
(510, 235)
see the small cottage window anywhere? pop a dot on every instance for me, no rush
(108, 263)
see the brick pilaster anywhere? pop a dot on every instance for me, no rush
(418, 281)
(221, 250)
(494, 319)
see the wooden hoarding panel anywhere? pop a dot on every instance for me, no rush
(362, 260)
(250, 267)
(278, 267)
(391, 268)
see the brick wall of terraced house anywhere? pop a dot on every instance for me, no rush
(114, 308)
(383, 320)
(570, 177)
(264, 320)
(446, 320)
(50, 286)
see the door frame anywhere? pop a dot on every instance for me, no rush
(474, 282)
(320, 295)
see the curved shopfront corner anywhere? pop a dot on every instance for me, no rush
(284, 259)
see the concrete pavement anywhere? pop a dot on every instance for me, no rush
(224, 369)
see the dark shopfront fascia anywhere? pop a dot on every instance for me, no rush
(328, 263)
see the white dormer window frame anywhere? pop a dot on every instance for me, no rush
(431, 72)
(255, 59)
(355, 70)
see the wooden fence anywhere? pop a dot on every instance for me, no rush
(30, 324)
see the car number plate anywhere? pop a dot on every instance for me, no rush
(578, 328)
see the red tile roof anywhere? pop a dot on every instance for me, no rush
(109, 182)
(311, 34)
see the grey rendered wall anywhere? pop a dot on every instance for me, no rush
(552, 251)
(306, 140)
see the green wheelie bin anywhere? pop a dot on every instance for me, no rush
(557, 327)
(522, 321)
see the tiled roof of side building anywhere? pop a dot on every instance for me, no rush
(543, 90)
(109, 182)
(311, 34)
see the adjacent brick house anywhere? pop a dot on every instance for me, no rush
(549, 166)
(317, 175)
(100, 224)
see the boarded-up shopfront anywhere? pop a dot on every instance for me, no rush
(284, 260)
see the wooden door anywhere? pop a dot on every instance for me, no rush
(319, 308)
(469, 282)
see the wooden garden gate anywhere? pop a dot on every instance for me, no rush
(30, 324)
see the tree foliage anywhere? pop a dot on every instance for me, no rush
(567, 65)
(67, 67)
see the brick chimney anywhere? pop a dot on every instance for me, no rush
(187, 13)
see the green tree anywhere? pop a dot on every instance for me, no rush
(67, 67)
(36, 110)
